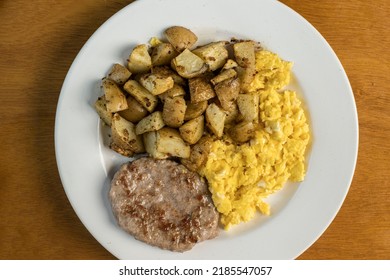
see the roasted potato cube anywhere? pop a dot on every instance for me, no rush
(200, 89)
(215, 118)
(135, 111)
(168, 72)
(150, 123)
(224, 75)
(230, 64)
(124, 139)
(115, 98)
(214, 54)
(150, 142)
(165, 143)
(180, 37)
(119, 74)
(101, 109)
(156, 83)
(195, 110)
(246, 76)
(248, 105)
(188, 64)
(139, 60)
(170, 142)
(173, 111)
(242, 132)
(176, 90)
(244, 52)
(232, 116)
(227, 92)
(192, 130)
(162, 54)
(199, 154)
(141, 94)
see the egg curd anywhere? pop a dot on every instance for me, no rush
(241, 176)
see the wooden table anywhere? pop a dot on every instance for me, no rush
(38, 42)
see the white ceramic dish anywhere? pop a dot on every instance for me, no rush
(301, 212)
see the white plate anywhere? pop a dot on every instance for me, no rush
(301, 212)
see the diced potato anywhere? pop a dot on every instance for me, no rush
(135, 111)
(195, 110)
(119, 74)
(230, 64)
(173, 111)
(139, 60)
(150, 142)
(199, 154)
(156, 83)
(246, 76)
(215, 118)
(192, 130)
(176, 90)
(150, 123)
(224, 75)
(101, 109)
(227, 92)
(115, 98)
(168, 72)
(162, 54)
(200, 89)
(248, 105)
(165, 143)
(242, 132)
(188, 64)
(124, 139)
(244, 52)
(180, 37)
(170, 142)
(232, 116)
(214, 54)
(141, 94)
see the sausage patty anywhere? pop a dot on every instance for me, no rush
(162, 203)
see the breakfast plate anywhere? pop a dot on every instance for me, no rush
(301, 212)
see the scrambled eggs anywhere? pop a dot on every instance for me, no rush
(241, 176)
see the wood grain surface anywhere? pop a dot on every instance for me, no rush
(38, 42)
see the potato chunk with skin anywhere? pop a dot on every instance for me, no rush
(150, 123)
(176, 90)
(173, 111)
(168, 72)
(248, 105)
(162, 54)
(215, 118)
(139, 60)
(200, 89)
(242, 132)
(192, 130)
(224, 75)
(141, 94)
(180, 37)
(165, 143)
(244, 53)
(214, 54)
(115, 98)
(156, 84)
(101, 109)
(119, 74)
(227, 92)
(134, 112)
(199, 154)
(188, 64)
(195, 110)
(124, 139)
